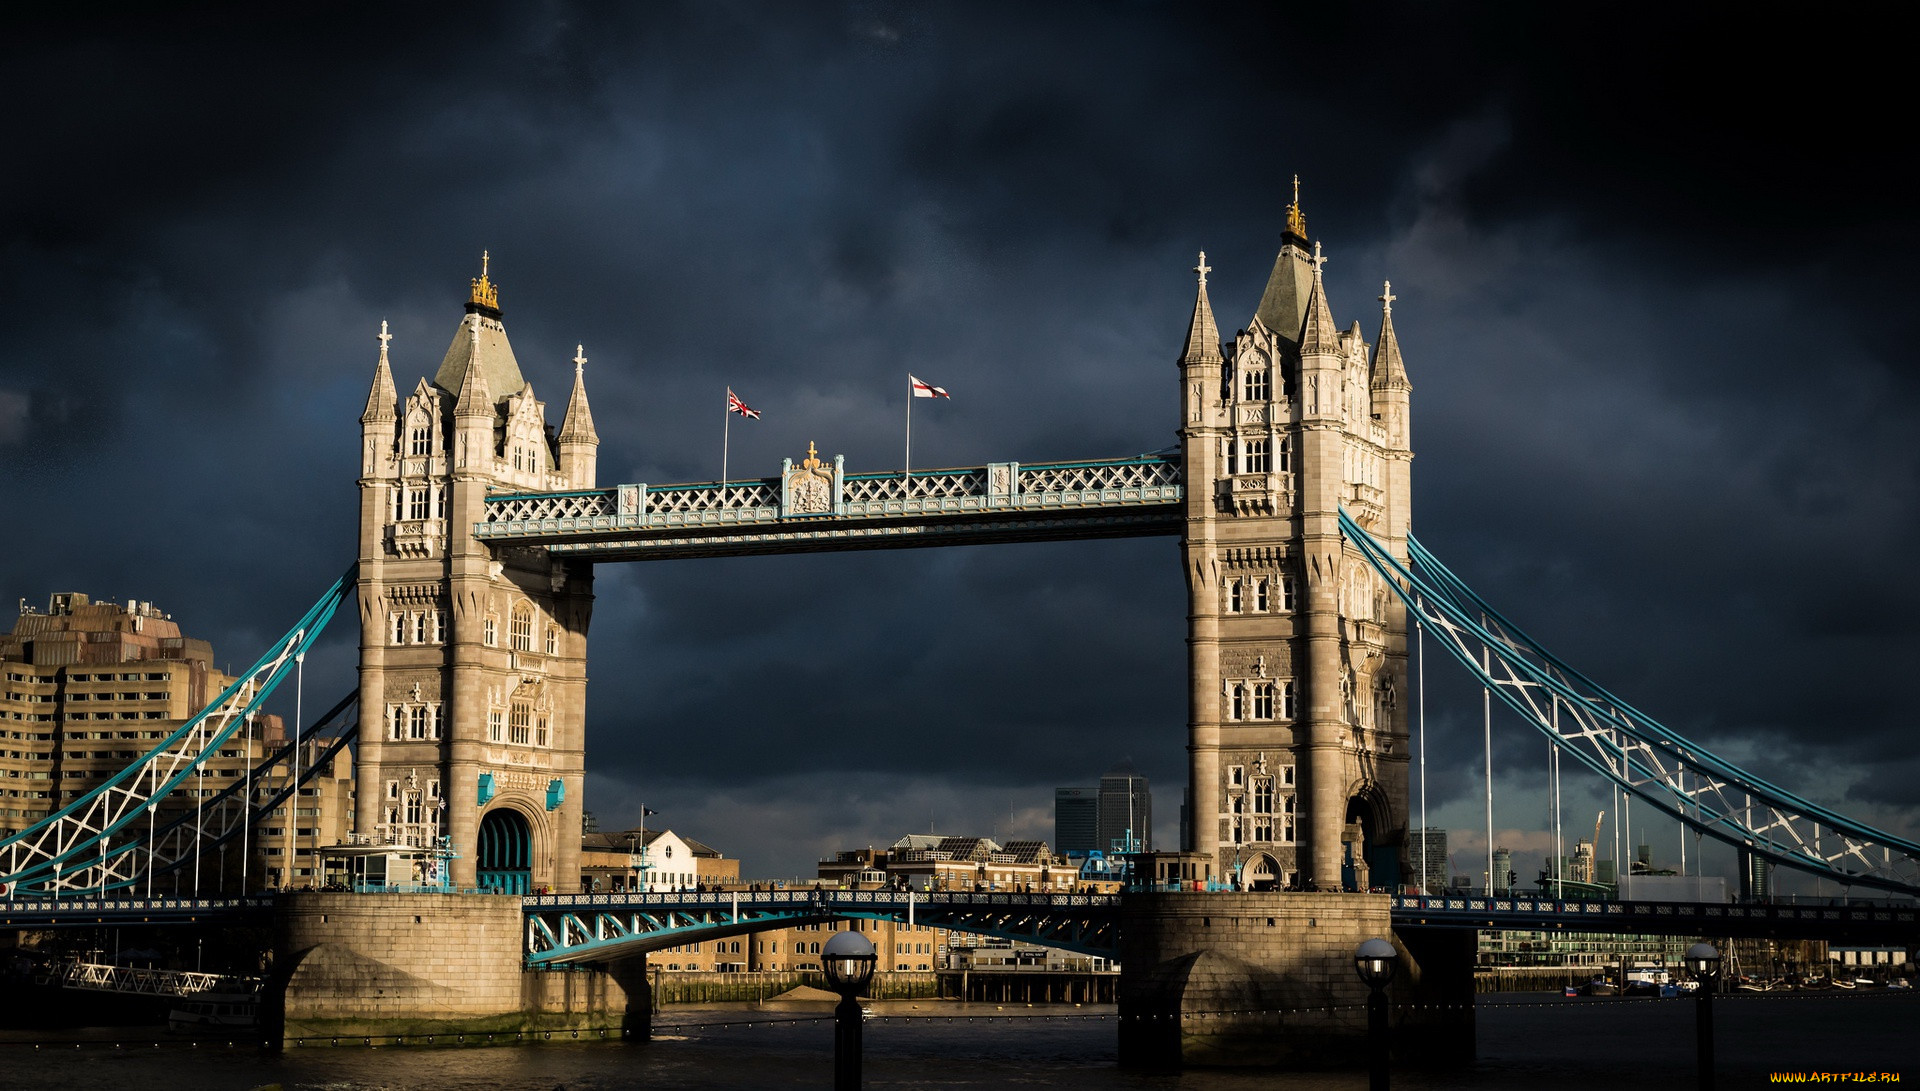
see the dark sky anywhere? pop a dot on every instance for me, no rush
(1652, 267)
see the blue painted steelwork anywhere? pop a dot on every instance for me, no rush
(998, 502)
(71, 852)
(1628, 747)
(570, 928)
(505, 855)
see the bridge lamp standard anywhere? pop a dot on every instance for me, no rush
(1703, 962)
(1376, 961)
(849, 961)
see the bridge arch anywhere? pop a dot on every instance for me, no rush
(1371, 839)
(503, 857)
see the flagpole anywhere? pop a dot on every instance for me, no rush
(909, 471)
(726, 431)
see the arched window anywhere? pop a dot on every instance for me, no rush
(420, 440)
(1239, 702)
(553, 641)
(1234, 596)
(1263, 701)
(1286, 700)
(490, 631)
(521, 628)
(1260, 596)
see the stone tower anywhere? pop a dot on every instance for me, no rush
(1297, 652)
(472, 658)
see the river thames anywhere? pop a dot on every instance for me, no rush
(1525, 1041)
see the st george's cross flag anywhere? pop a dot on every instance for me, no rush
(735, 405)
(926, 390)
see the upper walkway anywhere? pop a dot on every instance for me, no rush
(824, 508)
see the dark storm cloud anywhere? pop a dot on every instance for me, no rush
(1650, 280)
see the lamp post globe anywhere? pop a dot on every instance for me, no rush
(1702, 960)
(1376, 960)
(848, 959)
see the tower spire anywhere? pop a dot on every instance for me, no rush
(1296, 220)
(1388, 369)
(1203, 334)
(382, 398)
(1318, 334)
(577, 425)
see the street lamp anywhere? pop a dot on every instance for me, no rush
(1703, 962)
(849, 962)
(1376, 961)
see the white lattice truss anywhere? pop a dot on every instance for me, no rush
(1003, 487)
(1631, 749)
(99, 841)
(102, 977)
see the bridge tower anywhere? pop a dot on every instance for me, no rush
(472, 657)
(1297, 653)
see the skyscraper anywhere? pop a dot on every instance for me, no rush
(1501, 881)
(1125, 806)
(1076, 820)
(1430, 869)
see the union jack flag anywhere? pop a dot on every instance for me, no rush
(735, 405)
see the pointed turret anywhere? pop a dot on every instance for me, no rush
(1203, 335)
(579, 443)
(481, 339)
(1283, 306)
(1389, 371)
(476, 394)
(382, 399)
(1318, 334)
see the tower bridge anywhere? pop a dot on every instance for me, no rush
(1288, 488)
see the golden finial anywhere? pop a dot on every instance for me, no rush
(1296, 220)
(485, 292)
(812, 461)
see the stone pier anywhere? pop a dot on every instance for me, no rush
(1269, 979)
(439, 965)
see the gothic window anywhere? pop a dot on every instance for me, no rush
(1239, 702)
(520, 724)
(439, 503)
(1286, 593)
(439, 627)
(1286, 455)
(1258, 458)
(1236, 775)
(1286, 700)
(421, 723)
(516, 456)
(417, 500)
(1286, 778)
(496, 726)
(1263, 795)
(490, 631)
(521, 628)
(1259, 386)
(1263, 701)
(542, 736)
(1234, 597)
(396, 722)
(1260, 596)
(399, 503)
(553, 641)
(419, 628)
(419, 441)
(399, 627)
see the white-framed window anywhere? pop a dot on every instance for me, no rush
(1236, 776)
(520, 724)
(420, 722)
(1286, 454)
(490, 631)
(520, 628)
(1286, 593)
(1258, 385)
(543, 736)
(1286, 701)
(396, 722)
(439, 627)
(1238, 702)
(1262, 795)
(419, 628)
(399, 627)
(496, 725)
(553, 641)
(417, 500)
(1256, 457)
(399, 503)
(1263, 700)
(1260, 595)
(420, 441)
(1236, 596)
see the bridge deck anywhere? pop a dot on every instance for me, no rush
(998, 502)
